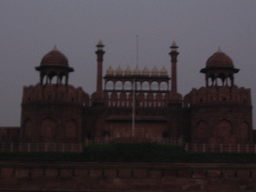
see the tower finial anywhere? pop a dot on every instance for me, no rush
(219, 50)
(100, 45)
(174, 46)
(55, 48)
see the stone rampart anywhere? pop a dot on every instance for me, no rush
(80, 176)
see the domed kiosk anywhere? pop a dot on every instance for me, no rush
(219, 66)
(220, 112)
(51, 112)
(53, 64)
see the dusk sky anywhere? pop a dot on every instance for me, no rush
(30, 29)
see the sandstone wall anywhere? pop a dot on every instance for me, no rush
(16, 176)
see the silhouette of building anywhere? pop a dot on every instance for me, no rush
(134, 105)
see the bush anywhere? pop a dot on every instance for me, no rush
(131, 152)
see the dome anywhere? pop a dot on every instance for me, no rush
(145, 71)
(154, 72)
(110, 71)
(54, 58)
(136, 70)
(219, 60)
(163, 72)
(119, 71)
(128, 71)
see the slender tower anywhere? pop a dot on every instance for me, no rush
(99, 54)
(174, 55)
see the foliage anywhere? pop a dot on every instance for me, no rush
(131, 152)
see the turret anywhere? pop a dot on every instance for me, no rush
(219, 66)
(174, 55)
(53, 64)
(99, 53)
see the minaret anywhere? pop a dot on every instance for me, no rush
(99, 54)
(174, 55)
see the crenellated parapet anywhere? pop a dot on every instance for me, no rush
(223, 94)
(52, 113)
(220, 115)
(54, 93)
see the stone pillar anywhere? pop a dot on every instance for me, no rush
(174, 55)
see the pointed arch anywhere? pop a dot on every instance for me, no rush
(48, 129)
(71, 129)
(150, 100)
(163, 86)
(140, 99)
(118, 85)
(154, 86)
(127, 85)
(109, 85)
(122, 99)
(201, 130)
(159, 100)
(28, 128)
(145, 85)
(244, 131)
(113, 99)
(223, 131)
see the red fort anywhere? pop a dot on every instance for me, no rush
(134, 105)
(130, 105)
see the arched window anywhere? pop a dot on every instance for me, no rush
(48, 129)
(118, 85)
(150, 100)
(244, 131)
(109, 85)
(223, 131)
(159, 100)
(113, 99)
(71, 129)
(3, 135)
(138, 85)
(54, 79)
(163, 86)
(154, 86)
(28, 128)
(145, 85)
(122, 99)
(201, 130)
(140, 99)
(128, 85)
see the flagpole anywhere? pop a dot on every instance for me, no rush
(133, 108)
(134, 88)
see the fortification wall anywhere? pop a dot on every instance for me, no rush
(9, 134)
(222, 94)
(51, 93)
(77, 176)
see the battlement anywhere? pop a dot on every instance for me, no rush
(142, 99)
(223, 94)
(51, 93)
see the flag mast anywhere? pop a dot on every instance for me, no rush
(134, 87)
